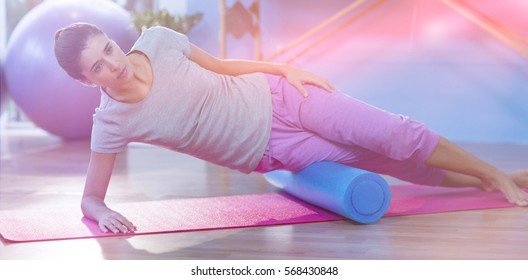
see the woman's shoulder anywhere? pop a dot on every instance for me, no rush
(159, 36)
(162, 32)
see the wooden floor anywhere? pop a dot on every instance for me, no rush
(38, 170)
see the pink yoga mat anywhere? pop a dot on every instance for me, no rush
(192, 214)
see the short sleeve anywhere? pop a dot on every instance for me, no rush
(162, 37)
(182, 41)
(105, 137)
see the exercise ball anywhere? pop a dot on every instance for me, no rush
(38, 85)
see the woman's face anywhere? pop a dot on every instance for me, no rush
(104, 64)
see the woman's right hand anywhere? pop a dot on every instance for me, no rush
(112, 221)
(108, 220)
(92, 203)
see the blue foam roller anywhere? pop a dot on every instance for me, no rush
(357, 194)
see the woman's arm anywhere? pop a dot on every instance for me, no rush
(235, 67)
(92, 204)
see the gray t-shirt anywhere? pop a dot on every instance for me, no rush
(222, 119)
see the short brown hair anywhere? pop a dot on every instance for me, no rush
(70, 41)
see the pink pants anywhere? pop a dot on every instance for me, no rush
(336, 127)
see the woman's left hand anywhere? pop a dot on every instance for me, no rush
(298, 78)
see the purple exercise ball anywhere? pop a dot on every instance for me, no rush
(35, 81)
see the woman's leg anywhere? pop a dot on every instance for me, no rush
(345, 120)
(449, 156)
(454, 179)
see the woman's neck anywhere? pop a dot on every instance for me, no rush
(140, 83)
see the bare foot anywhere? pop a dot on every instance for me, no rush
(508, 186)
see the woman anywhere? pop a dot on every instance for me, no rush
(246, 115)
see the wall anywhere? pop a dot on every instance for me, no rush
(415, 57)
